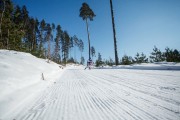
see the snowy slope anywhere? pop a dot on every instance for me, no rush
(21, 78)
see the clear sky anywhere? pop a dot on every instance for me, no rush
(140, 24)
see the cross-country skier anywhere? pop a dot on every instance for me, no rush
(89, 63)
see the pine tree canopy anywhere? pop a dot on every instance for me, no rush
(86, 12)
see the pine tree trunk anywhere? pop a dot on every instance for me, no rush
(81, 56)
(114, 34)
(40, 48)
(2, 19)
(8, 40)
(74, 53)
(35, 42)
(40, 44)
(49, 45)
(88, 38)
(60, 53)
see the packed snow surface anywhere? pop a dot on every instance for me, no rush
(96, 94)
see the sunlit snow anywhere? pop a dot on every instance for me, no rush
(135, 92)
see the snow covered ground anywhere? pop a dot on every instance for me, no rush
(21, 78)
(147, 66)
(97, 94)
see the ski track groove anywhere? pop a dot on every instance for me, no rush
(95, 103)
(101, 95)
(153, 95)
(108, 87)
(91, 104)
(100, 101)
(133, 116)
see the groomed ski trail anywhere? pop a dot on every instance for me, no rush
(111, 94)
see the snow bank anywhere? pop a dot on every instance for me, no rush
(148, 66)
(21, 78)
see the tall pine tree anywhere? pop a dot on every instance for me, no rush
(87, 13)
(49, 39)
(57, 56)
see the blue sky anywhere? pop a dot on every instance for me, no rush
(140, 24)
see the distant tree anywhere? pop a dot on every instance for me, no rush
(53, 26)
(17, 16)
(168, 54)
(176, 55)
(114, 33)
(25, 17)
(7, 27)
(126, 60)
(24, 29)
(82, 60)
(157, 55)
(76, 42)
(71, 45)
(70, 60)
(87, 13)
(99, 61)
(93, 52)
(141, 59)
(2, 8)
(172, 55)
(49, 39)
(137, 58)
(16, 33)
(57, 56)
(109, 62)
(65, 45)
(41, 37)
(31, 33)
(81, 47)
(99, 57)
(36, 38)
(53, 29)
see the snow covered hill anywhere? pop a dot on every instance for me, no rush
(136, 92)
(21, 78)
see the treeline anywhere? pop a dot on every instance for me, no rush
(21, 32)
(169, 55)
